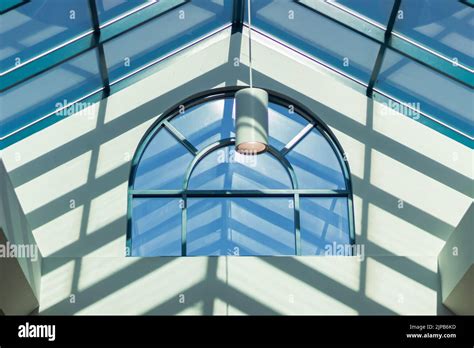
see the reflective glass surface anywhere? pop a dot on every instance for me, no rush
(316, 164)
(226, 169)
(38, 26)
(65, 83)
(163, 164)
(112, 9)
(431, 40)
(324, 226)
(375, 10)
(425, 90)
(42, 37)
(283, 125)
(156, 227)
(156, 38)
(237, 204)
(325, 39)
(240, 226)
(443, 26)
(217, 118)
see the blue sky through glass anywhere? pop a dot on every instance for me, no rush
(38, 26)
(41, 38)
(240, 226)
(218, 219)
(446, 27)
(376, 10)
(327, 40)
(65, 83)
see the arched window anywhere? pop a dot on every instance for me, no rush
(191, 194)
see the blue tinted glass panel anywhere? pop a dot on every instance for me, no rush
(207, 123)
(445, 99)
(163, 164)
(169, 31)
(240, 226)
(210, 122)
(156, 229)
(316, 164)
(49, 91)
(226, 169)
(283, 125)
(110, 9)
(444, 26)
(323, 38)
(376, 10)
(38, 26)
(324, 226)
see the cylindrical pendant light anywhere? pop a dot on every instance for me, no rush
(251, 112)
(251, 121)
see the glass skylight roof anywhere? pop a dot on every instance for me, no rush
(435, 94)
(443, 26)
(377, 11)
(38, 26)
(426, 62)
(318, 35)
(112, 9)
(158, 37)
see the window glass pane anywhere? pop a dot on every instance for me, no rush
(261, 224)
(444, 26)
(324, 226)
(324, 38)
(163, 164)
(49, 91)
(376, 10)
(240, 226)
(38, 26)
(283, 125)
(210, 122)
(207, 123)
(315, 163)
(154, 39)
(225, 169)
(425, 89)
(110, 9)
(156, 229)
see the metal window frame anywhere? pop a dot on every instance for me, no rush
(238, 16)
(468, 2)
(8, 5)
(295, 192)
(383, 47)
(103, 70)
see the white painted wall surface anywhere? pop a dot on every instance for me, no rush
(20, 259)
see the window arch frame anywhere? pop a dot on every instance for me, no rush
(163, 121)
